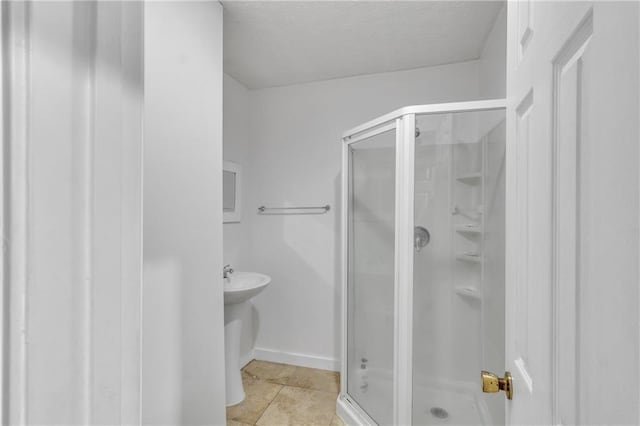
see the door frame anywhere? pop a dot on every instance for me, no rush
(16, 187)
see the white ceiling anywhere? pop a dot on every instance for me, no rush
(277, 43)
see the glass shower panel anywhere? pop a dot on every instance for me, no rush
(459, 273)
(370, 284)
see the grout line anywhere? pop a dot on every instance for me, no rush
(282, 386)
(268, 405)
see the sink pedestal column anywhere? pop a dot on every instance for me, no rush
(239, 287)
(232, 331)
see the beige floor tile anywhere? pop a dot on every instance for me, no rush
(312, 378)
(297, 406)
(235, 423)
(336, 421)
(271, 372)
(258, 396)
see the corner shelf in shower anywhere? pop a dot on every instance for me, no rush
(470, 179)
(470, 257)
(469, 229)
(467, 291)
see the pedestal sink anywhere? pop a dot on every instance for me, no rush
(238, 288)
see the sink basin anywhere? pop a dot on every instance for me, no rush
(238, 288)
(242, 286)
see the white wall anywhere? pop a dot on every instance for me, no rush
(493, 61)
(236, 149)
(291, 155)
(237, 239)
(183, 212)
(295, 160)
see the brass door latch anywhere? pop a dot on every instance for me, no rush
(492, 383)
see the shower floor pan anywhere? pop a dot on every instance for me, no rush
(439, 403)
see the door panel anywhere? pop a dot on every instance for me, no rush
(572, 212)
(74, 118)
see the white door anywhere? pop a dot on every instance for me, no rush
(73, 203)
(572, 212)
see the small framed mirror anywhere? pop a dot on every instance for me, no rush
(231, 192)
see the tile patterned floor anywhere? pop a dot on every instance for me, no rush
(282, 394)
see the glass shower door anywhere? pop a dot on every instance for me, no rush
(370, 281)
(424, 276)
(458, 271)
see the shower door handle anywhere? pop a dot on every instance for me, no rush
(492, 383)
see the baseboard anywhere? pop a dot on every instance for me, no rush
(302, 360)
(246, 358)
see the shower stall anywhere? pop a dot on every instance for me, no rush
(423, 265)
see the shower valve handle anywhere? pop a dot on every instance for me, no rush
(492, 383)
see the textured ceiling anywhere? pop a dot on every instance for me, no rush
(278, 43)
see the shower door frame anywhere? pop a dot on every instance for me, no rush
(400, 119)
